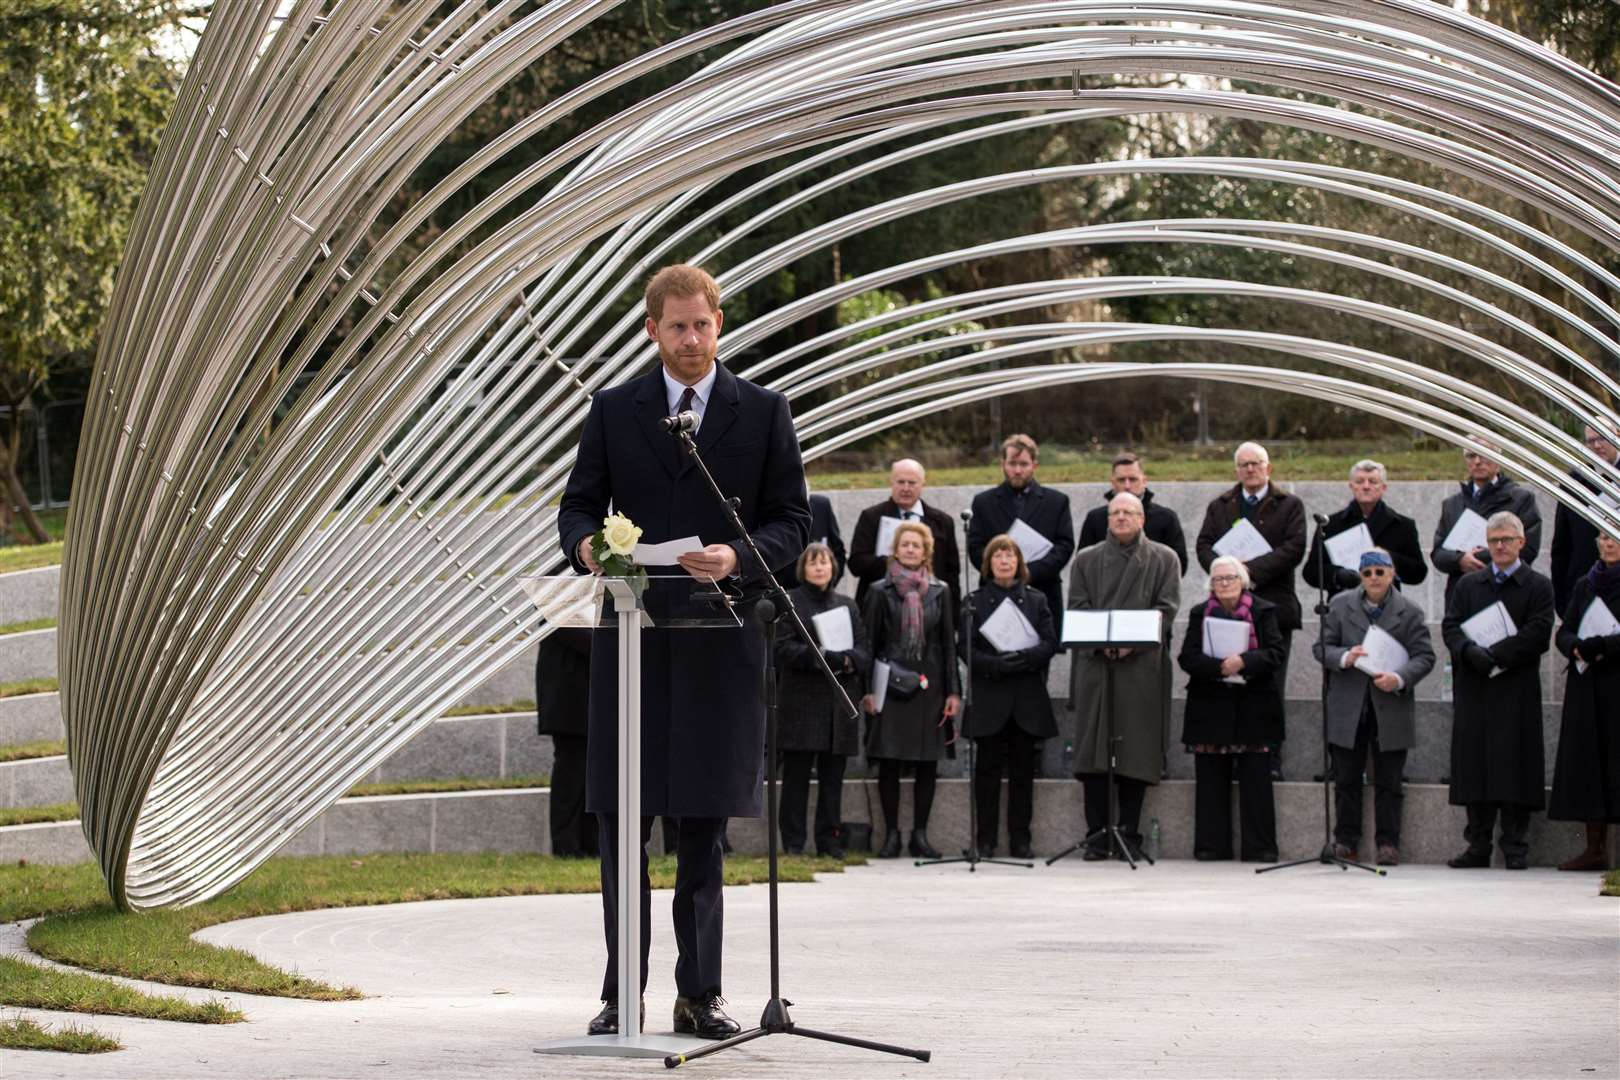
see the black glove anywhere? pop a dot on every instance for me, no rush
(1592, 648)
(1345, 579)
(835, 659)
(1479, 658)
(1010, 663)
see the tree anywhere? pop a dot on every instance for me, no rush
(84, 94)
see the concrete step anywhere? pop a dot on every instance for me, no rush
(26, 595)
(30, 718)
(28, 655)
(36, 782)
(516, 820)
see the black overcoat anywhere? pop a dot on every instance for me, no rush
(1160, 523)
(1009, 688)
(1395, 533)
(812, 715)
(911, 730)
(703, 690)
(869, 565)
(1503, 494)
(562, 676)
(1220, 713)
(1574, 545)
(1280, 518)
(1496, 748)
(1043, 509)
(1586, 773)
(823, 530)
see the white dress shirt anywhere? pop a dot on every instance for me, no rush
(700, 392)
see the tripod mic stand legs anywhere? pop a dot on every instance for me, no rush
(776, 1021)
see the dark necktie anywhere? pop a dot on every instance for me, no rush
(685, 404)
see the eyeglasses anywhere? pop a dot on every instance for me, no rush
(1251, 464)
(1375, 571)
(1224, 579)
(1501, 541)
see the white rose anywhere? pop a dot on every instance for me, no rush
(620, 534)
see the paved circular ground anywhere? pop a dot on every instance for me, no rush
(1184, 969)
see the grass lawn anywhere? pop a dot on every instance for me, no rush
(21, 1034)
(423, 787)
(19, 687)
(31, 815)
(486, 710)
(1611, 884)
(28, 624)
(24, 751)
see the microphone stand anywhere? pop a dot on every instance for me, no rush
(970, 760)
(773, 605)
(1325, 857)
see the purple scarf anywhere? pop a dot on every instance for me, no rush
(911, 585)
(1244, 611)
(1604, 579)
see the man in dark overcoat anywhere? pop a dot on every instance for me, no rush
(1485, 492)
(1573, 536)
(907, 478)
(1395, 533)
(1020, 497)
(1497, 766)
(1163, 526)
(1279, 518)
(703, 709)
(562, 693)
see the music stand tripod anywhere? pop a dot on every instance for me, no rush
(1110, 830)
(1325, 857)
(971, 856)
(774, 605)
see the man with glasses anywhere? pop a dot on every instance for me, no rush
(1574, 544)
(1371, 703)
(1497, 767)
(1280, 520)
(907, 478)
(1395, 533)
(1485, 492)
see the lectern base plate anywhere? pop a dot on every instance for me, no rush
(651, 1046)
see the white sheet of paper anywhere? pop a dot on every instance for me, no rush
(885, 540)
(834, 629)
(880, 683)
(1384, 653)
(1243, 541)
(1034, 546)
(1488, 627)
(666, 553)
(1346, 548)
(1226, 637)
(1598, 621)
(1135, 625)
(1008, 630)
(1085, 626)
(1467, 535)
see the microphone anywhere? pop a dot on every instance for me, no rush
(1320, 519)
(967, 516)
(674, 425)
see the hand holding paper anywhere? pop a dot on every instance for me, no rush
(1598, 621)
(1243, 541)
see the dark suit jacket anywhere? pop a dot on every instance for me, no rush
(1280, 519)
(823, 529)
(1041, 508)
(869, 565)
(1574, 547)
(1160, 523)
(1502, 495)
(563, 681)
(702, 706)
(1395, 533)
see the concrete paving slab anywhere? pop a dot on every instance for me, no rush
(1078, 970)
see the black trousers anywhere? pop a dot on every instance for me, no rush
(698, 908)
(573, 831)
(1388, 765)
(795, 800)
(922, 794)
(1131, 792)
(1482, 819)
(1012, 751)
(1212, 806)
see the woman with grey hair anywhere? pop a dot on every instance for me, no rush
(1233, 716)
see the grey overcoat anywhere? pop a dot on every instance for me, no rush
(1346, 626)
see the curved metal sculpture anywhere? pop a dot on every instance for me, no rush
(324, 441)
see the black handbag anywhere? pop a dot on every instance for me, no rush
(905, 684)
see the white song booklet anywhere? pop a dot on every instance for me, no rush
(1598, 621)
(1226, 637)
(1243, 541)
(1490, 626)
(835, 630)
(1008, 629)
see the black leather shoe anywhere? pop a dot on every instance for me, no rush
(702, 1017)
(1023, 851)
(1095, 854)
(891, 845)
(793, 849)
(920, 847)
(831, 851)
(1469, 860)
(1516, 862)
(606, 1022)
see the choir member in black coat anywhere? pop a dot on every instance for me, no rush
(1485, 492)
(1573, 535)
(1163, 526)
(1395, 533)
(1009, 711)
(562, 693)
(1020, 497)
(1497, 761)
(1586, 775)
(823, 530)
(815, 729)
(907, 479)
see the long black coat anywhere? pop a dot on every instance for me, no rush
(911, 730)
(1395, 533)
(1574, 546)
(1504, 494)
(1009, 688)
(703, 690)
(1496, 749)
(869, 565)
(1160, 523)
(1041, 508)
(562, 676)
(1586, 773)
(812, 715)
(1280, 518)
(824, 530)
(1220, 713)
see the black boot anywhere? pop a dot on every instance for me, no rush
(920, 847)
(891, 845)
